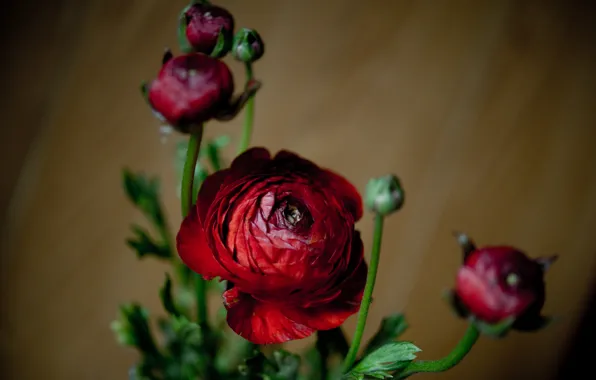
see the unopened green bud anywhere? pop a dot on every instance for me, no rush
(248, 46)
(384, 195)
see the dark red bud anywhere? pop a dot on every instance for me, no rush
(191, 89)
(194, 88)
(498, 283)
(206, 25)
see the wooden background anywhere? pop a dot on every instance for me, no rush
(485, 109)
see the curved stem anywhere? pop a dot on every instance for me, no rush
(192, 154)
(462, 348)
(188, 174)
(367, 297)
(250, 112)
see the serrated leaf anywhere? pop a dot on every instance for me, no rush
(201, 175)
(232, 351)
(391, 328)
(132, 328)
(221, 141)
(144, 245)
(381, 362)
(214, 156)
(287, 365)
(254, 365)
(143, 192)
(167, 299)
(312, 358)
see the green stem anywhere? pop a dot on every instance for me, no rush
(367, 297)
(192, 154)
(455, 356)
(249, 116)
(188, 174)
(201, 294)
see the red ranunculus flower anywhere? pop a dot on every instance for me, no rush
(204, 23)
(500, 282)
(191, 89)
(281, 231)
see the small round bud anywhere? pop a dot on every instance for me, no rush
(205, 28)
(384, 195)
(248, 46)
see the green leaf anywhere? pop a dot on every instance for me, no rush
(132, 329)
(312, 358)
(167, 299)
(380, 363)
(287, 365)
(232, 351)
(391, 328)
(182, 23)
(254, 365)
(201, 175)
(143, 192)
(214, 156)
(144, 245)
(220, 141)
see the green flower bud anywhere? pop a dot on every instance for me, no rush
(248, 46)
(384, 195)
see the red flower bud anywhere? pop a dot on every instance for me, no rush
(194, 88)
(204, 24)
(281, 231)
(500, 282)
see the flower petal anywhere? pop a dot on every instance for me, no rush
(251, 161)
(193, 249)
(260, 322)
(345, 192)
(325, 314)
(209, 190)
(333, 314)
(334, 183)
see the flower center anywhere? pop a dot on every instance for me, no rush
(292, 214)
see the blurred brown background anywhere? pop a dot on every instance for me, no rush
(484, 108)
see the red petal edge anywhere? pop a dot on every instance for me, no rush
(209, 190)
(334, 183)
(333, 314)
(345, 192)
(193, 248)
(252, 160)
(261, 322)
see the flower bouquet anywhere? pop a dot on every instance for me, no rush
(274, 236)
